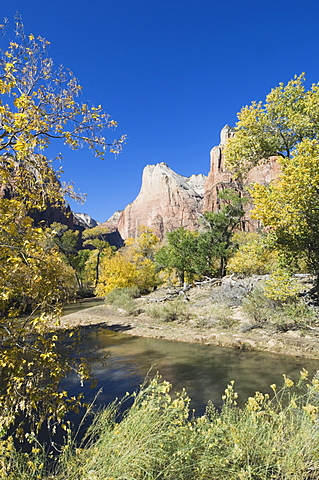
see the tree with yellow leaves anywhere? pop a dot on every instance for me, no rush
(255, 255)
(95, 239)
(286, 126)
(289, 115)
(38, 104)
(290, 205)
(118, 272)
(144, 245)
(132, 266)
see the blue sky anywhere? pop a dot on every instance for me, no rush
(171, 72)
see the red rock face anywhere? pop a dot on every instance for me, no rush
(166, 202)
(219, 178)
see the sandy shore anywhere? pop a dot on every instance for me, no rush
(293, 342)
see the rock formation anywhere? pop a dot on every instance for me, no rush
(166, 202)
(85, 220)
(220, 178)
(55, 213)
(113, 237)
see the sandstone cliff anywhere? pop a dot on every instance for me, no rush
(219, 178)
(166, 202)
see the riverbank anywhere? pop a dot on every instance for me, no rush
(236, 330)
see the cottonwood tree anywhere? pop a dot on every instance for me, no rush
(289, 115)
(69, 243)
(195, 254)
(95, 238)
(131, 266)
(143, 246)
(290, 206)
(286, 125)
(38, 104)
(118, 272)
(180, 254)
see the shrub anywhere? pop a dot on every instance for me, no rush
(281, 287)
(253, 258)
(175, 310)
(218, 316)
(294, 315)
(222, 316)
(289, 314)
(156, 439)
(257, 306)
(124, 298)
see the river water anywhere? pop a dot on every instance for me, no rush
(204, 371)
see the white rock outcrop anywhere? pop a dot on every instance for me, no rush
(166, 201)
(85, 220)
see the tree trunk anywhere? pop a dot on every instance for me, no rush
(97, 268)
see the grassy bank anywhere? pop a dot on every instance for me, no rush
(158, 438)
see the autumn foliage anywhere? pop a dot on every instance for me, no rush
(287, 126)
(38, 104)
(132, 266)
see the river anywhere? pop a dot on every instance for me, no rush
(204, 371)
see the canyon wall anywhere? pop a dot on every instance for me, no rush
(166, 202)
(220, 178)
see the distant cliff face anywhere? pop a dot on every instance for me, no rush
(166, 202)
(85, 220)
(60, 214)
(219, 178)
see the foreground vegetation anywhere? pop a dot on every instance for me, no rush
(38, 103)
(159, 438)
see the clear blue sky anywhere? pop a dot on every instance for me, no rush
(171, 72)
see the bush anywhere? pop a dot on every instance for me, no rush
(175, 310)
(217, 316)
(257, 306)
(294, 315)
(255, 257)
(221, 315)
(290, 314)
(124, 298)
(281, 287)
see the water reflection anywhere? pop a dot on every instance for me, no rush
(82, 305)
(204, 371)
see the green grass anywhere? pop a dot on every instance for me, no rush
(157, 439)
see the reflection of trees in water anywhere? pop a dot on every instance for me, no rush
(204, 371)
